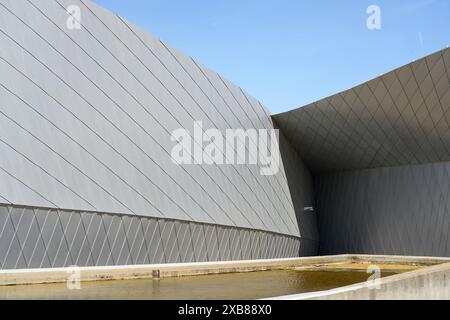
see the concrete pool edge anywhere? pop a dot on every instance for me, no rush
(432, 282)
(98, 273)
(55, 275)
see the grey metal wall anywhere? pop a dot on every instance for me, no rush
(86, 117)
(50, 238)
(300, 182)
(399, 210)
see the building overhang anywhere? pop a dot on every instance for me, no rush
(399, 118)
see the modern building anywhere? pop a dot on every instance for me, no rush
(88, 105)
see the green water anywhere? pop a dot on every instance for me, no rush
(252, 285)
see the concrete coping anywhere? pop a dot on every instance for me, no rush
(55, 275)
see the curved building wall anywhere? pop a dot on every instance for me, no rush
(399, 210)
(302, 192)
(86, 117)
(400, 118)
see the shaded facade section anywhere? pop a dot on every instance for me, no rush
(379, 155)
(400, 210)
(400, 118)
(300, 182)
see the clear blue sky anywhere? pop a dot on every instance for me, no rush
(288, 53)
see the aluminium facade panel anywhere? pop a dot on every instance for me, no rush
(379, 156)
(399, 118)
(86, 117)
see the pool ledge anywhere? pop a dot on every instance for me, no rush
(55, 275)
(431, 283)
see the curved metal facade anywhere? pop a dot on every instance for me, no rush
(380, 157)
(396, 210)
(86, 117)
